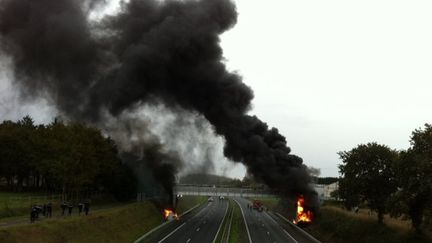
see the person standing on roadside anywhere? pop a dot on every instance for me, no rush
(49, 210)
(87, 207)
(33, 214)
(63, 207)
(80, 208)
(70, 207)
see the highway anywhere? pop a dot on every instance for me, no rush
(262, 227)
(203, 224)
(199, 227)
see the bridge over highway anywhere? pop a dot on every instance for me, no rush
(209, 190)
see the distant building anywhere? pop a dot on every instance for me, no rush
(328, 189)
(324, 191)
(319, 189)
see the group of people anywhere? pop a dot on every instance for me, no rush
(46, 209)
(81, 206)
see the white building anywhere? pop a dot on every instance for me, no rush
(324, 191)
(328, 189)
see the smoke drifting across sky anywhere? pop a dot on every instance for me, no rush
(151, 53)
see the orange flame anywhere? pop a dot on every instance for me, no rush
(304, 216)
(170, 214)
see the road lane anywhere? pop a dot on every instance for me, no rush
(200, 228)
(262, 227)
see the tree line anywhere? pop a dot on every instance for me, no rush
(72, 159)
(390, 181)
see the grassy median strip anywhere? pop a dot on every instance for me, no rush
(224, 233)
(238, 232)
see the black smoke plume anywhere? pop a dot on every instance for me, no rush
(151, 50)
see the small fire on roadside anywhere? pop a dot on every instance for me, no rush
(170, 214)
(304, 216)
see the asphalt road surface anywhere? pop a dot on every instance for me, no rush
(200, 227)
(262, 227)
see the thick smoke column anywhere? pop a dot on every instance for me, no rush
(151, 51)
(52, 47)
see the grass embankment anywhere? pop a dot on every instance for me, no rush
(14, 205)
(120, 224)
(17, 204)
(238, 233)
(187, 202)
(338, 225)
(123, 223)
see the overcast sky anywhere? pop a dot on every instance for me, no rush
(328, 74)
(334, 74)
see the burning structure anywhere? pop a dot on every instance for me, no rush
(304, 216)
(151, 52)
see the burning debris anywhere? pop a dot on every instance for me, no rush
(304, 216)
(150, 52)
(170, 215)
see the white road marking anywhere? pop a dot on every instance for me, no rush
(290, 236)
(200, 212)
(171, 233)
(163, 224)
(281, 227)
(310, 237)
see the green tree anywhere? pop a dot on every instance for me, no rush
(70, 158)
(415, 176)
(16, 152)
(368, 176)
(10, 150)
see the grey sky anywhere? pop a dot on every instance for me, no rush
(328, 74)
(333, 74)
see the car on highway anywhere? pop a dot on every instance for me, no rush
(210, 199)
